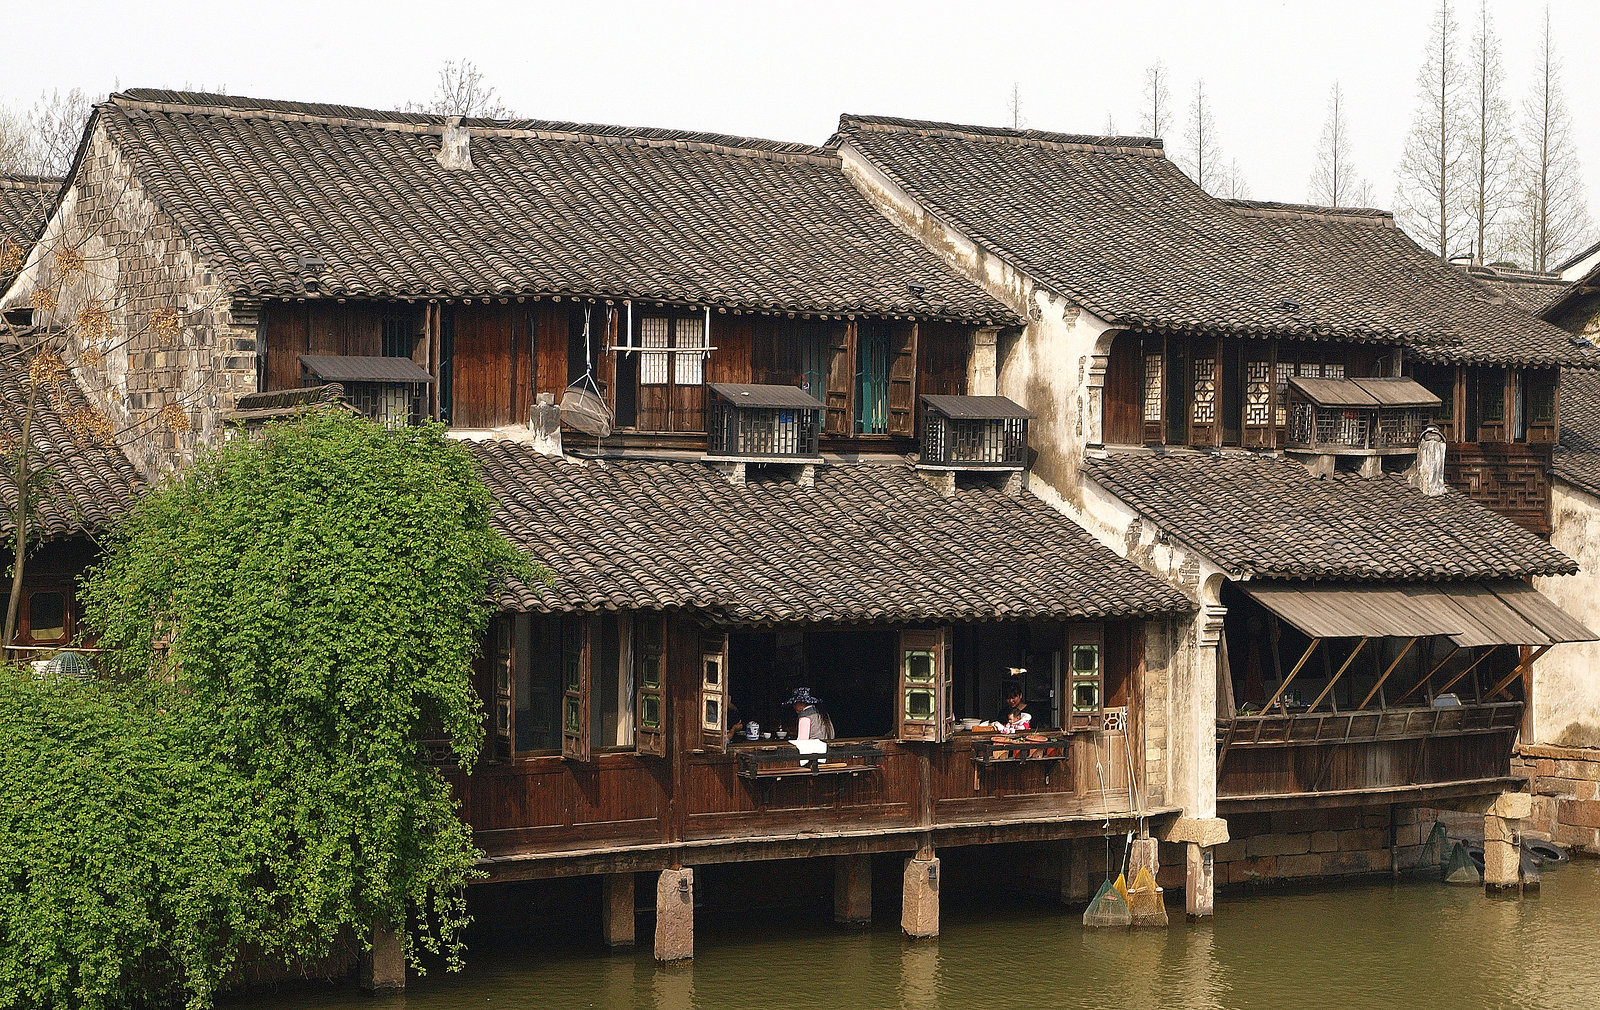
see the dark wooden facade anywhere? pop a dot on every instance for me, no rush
(1501, 424)
(49, 615)
(623, 809)
(491, 359)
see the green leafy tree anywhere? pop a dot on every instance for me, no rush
(312, 601)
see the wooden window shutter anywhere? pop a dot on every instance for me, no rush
(714, 691)
(1085, 675)
(577, 659)
(841, 379)
(924, 707)
(504, 670)
(650, 685)
(903, 380)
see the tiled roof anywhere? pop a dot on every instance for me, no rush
(547, 208)
(90, 484)
(1529, 289)
(1577, 458)
(1113, 225)
(868, 543)
(1271, 517)
(24, 203)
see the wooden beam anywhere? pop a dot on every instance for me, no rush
(1457, 678)
(1454, 679)
(1386, 673)
(1286, 681)
(1514, 674)
(1335, 678)
(1439, 666)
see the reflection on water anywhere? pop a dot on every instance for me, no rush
(1343, 947)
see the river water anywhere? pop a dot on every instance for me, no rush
(1407, 944)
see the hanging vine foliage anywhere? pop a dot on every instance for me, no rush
(313, 600)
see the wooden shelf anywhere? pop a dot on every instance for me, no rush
(770, 762)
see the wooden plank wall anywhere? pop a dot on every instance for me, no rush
(1365, 765)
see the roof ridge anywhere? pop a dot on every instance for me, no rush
(1311, 211)
(233, 106)
(1092, 143)
(23, 180)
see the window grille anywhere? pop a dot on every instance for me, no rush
(1205, 390)
(689, 366)
(654, 331)
(1152, 387)
(1257, 392)
(396, 338)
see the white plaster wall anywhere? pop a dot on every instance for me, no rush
(1055, 367)
(1566, 680)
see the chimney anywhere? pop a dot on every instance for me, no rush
(1428, 473)
(455, 146)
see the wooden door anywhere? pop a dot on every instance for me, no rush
(840, 397)
(577, 659)
(672, 361)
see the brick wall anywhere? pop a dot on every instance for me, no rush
(1566, 794)
(164, 380)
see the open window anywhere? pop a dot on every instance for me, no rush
(886, 379)
(670, 372)
(577, 653)
(1085, 675)
(925, 703)
(714, 691)
(650, 682)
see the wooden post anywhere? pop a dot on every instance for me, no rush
(1453, 680)
(1526, 664)
(1297, 667)
(1429, 675)
(617, 909)
(852, 889)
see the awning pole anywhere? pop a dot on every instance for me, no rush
(1457, 678)
(1283, 686)
(1386, 673)
(1514, 674)
(1424, 680)
(1335, 679)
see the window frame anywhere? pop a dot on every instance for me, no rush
(934, 726)
(1086, 637)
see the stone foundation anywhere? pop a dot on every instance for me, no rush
(1566, 794)
(1308, 844)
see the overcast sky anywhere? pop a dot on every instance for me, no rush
(786, 71)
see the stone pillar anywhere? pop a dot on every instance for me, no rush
(919, 909)
(1075, 889)
(1502, 845)
(383, 965)
(616, 909)
(1197, 885)
(852, 889)
(675, 915)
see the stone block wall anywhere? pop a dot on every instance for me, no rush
(1308, 844)
(175, 350)
(1566, 794)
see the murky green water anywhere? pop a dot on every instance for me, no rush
(1347, 947)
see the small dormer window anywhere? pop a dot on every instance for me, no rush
(755, 422)
(1358, 415)
(974, 433)
(389, 390)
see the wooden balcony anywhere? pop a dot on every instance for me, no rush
(1364, 757)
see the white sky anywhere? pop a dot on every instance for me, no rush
(786, 71)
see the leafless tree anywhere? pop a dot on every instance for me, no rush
(1202, 157)
(1491, 141)
(1334, 181)
(462, 90)
(55, 125)
(13, 143)
(1155, 116)
(1431, 191)
(1014, 106)
(1111, 125)
(1551, 216)
(1230, 182)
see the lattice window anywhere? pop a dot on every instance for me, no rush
(1333, 370)
(1285, 370)
(654, 331)
(1257, 392)
(1152, 387)
(689, 366)
(1205, 390)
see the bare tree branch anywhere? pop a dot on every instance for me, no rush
(1334, 182)
(1491, 142)
(462, 90)
(1155, 116)
(1202, 158)
(1551, 217)
(1431, 185)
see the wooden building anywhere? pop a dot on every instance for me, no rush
(1263, 403)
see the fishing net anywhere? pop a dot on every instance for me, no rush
(1436, 850)
(1461, 869)
(1145, 902)
(1110, 906)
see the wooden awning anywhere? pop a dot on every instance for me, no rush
(1470, 613)
(1370, 393)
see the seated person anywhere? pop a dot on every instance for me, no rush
(813, 721)
(1014, 715)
